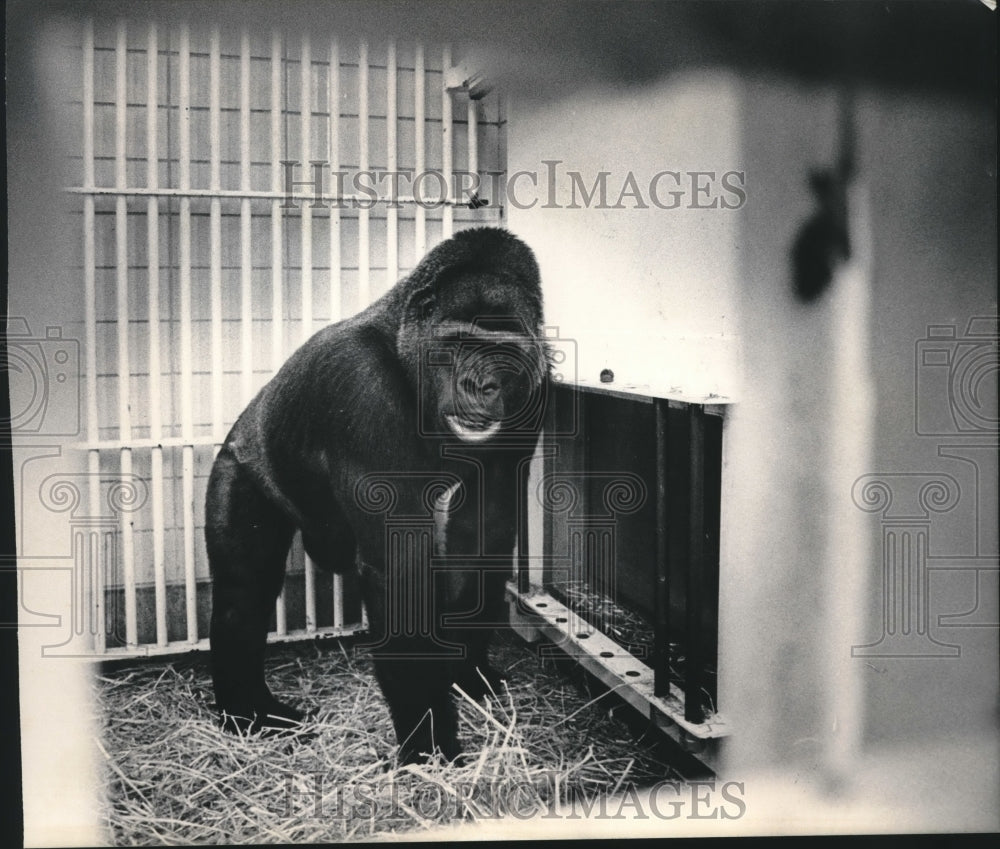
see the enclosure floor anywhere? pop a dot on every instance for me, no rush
(173, 777)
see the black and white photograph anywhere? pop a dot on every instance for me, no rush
(496, 420)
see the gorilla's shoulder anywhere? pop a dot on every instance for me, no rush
(345, 366)
(339, 350)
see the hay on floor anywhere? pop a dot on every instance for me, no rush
(174, 778)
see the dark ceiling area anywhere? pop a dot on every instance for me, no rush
(948, 45)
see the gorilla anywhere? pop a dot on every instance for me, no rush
(397, 442)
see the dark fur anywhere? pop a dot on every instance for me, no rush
(343, 416)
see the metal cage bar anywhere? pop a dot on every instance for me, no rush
(694, 648)
(333, 150)
(447, 167)
(246, 227)
(306, 276)
(97, 608)
(186, 346)
(661, 607)
(215, 231)
(472, 140)
(364, 230)
(155, 363)
(420, 149)
(277, 266)
(333, 107)
(199, 116)
(122, 318)
(306, 217)
(392, 157)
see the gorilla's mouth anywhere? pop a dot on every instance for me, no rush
(472, 430)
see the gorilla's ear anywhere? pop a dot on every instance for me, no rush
(416, 311)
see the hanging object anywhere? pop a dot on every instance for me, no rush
(823, 242)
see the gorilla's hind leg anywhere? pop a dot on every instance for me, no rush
(247, 539)
(423, 714)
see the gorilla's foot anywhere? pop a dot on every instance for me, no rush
(277, 714)
(267, 717)
(450, 752)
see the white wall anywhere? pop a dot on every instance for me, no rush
(663, 281)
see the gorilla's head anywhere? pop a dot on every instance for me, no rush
(471, 337)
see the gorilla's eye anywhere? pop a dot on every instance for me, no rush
(511, 325)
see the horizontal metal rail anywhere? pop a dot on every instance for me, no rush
(183, 646)
(629, 678)
(362, 201)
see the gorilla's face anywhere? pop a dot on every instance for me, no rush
(484, 382)
(482, 365)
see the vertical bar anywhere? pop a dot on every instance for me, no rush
(121, 103)
(122, 310)
(92, 577)
(392, 211)
(310, 592)
(523, 560)
(152, 104)
(678, 493)
(78, 605)
(447, 213)
(153, 281)
(338, 600)
(364, 261)
(548, 469)
(419, 135)
(88, 112)
(187, 413)
(90, 318)
(306, 154)
(277, 273)
(536, 519)
(215, 230)
(693, 672)
(246, 253)
(472, 138)
(500, 154)
(306, 273)
(333, 96)
(333, 90)
(661, 607)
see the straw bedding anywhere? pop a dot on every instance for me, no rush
(173, 778)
